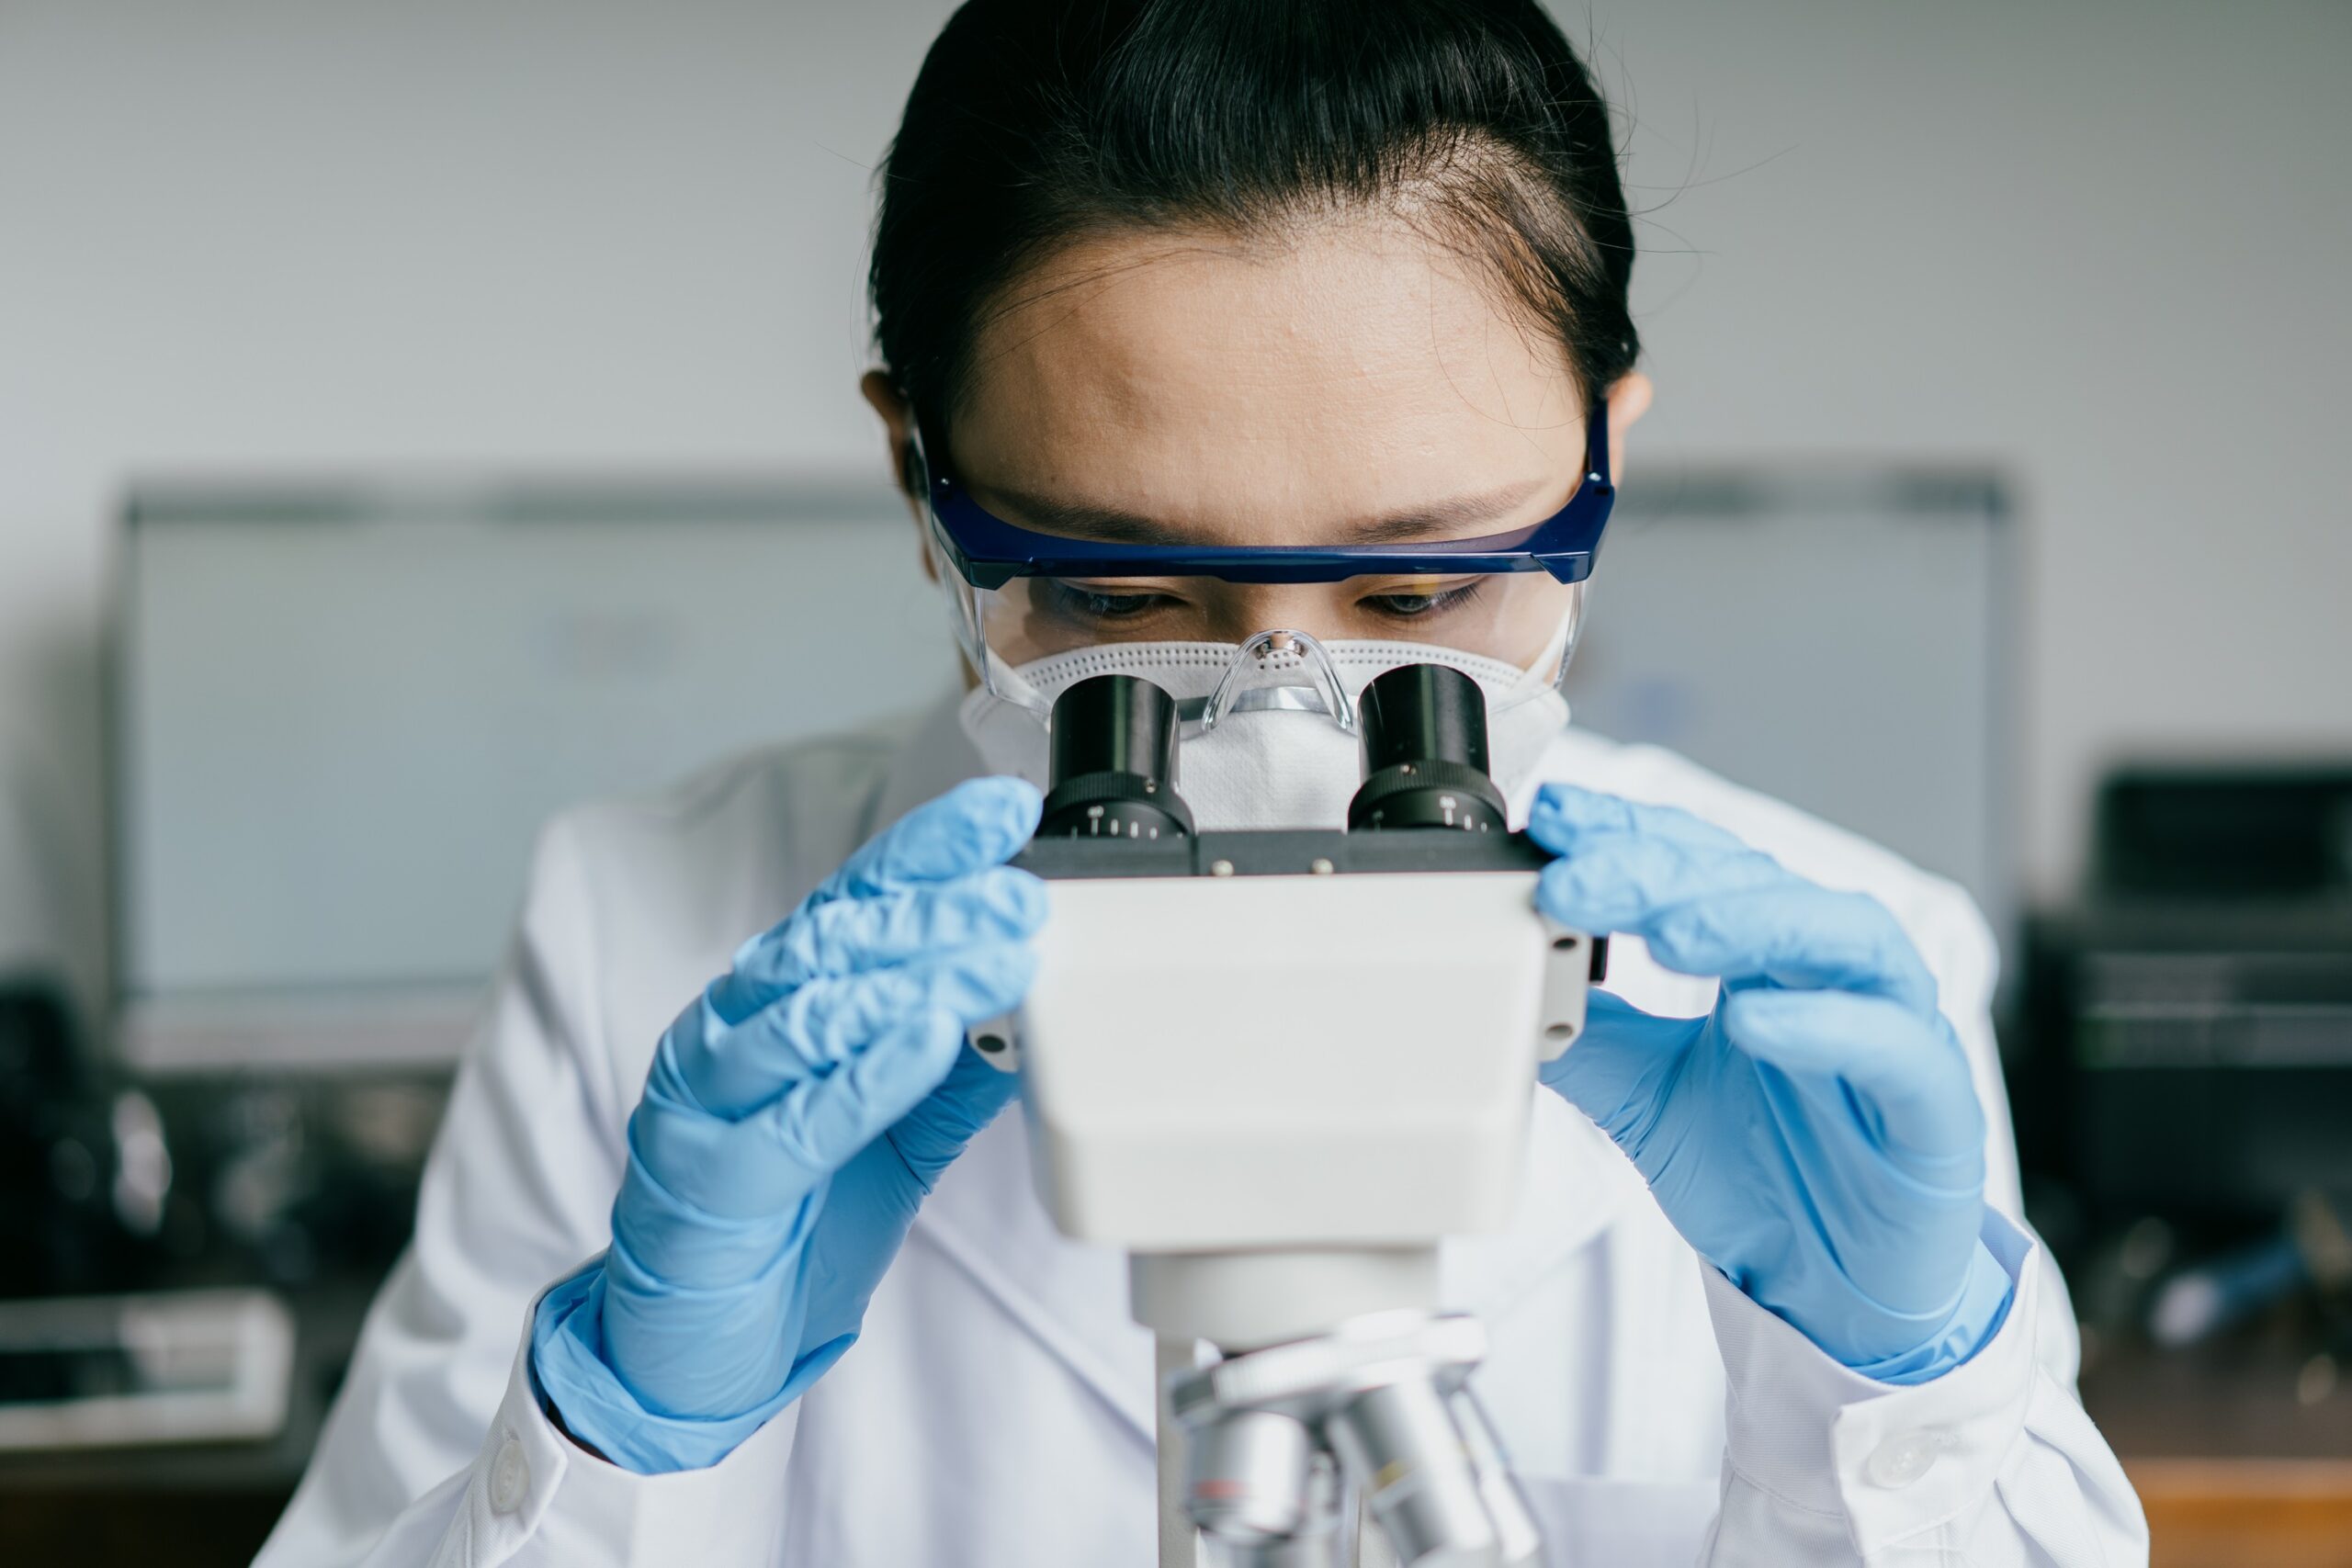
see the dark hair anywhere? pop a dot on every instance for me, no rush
(1037, 122)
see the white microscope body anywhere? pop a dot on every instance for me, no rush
(1278, 1068)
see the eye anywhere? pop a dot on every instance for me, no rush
(1435, 600)
(1077, 599)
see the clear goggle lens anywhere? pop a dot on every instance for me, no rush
(1514, 631)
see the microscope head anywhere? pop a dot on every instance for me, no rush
(1310, 1042)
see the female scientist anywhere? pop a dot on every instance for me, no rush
(1175, 281)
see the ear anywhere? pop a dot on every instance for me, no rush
(883, 396)
(1628, 401)
(898, 428)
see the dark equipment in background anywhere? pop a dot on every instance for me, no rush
(2226, 834)
(2182, 1086)
(114, 1183)
(158, 1236)
(2189, 1023)
(64, 1194)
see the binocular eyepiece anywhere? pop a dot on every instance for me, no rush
(1114, 757)
(1423, 731)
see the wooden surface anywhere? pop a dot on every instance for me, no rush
(2206, 1513)
(2240, 1457)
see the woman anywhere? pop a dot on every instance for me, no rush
(1159, 285)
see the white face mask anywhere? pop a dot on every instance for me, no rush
(1261, 746)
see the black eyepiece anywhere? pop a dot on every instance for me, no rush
(1425, 754)
(1113, 740)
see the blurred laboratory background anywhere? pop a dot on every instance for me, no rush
(416, 416)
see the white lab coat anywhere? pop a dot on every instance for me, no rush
(997, 1408)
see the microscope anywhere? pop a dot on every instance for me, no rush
(1277, 1068)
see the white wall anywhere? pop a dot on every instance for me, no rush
(2107, 244)
(2104, 244)
(250, 236)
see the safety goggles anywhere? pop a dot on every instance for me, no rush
(1024, 595)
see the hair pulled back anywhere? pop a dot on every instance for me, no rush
(1036, 123)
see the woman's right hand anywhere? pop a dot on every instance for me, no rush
(795, 1117)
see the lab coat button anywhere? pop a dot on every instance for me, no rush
(1900, 1460)
(509, 1474)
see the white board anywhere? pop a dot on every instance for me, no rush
(341, 719)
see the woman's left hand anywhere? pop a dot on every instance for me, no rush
(1816, 1136)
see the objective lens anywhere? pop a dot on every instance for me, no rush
(1113, 751)
(1400, 1445)
(1247, 1475)
(1425, 754)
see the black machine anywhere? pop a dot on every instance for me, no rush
(2185, 1064)
(2189, 1024)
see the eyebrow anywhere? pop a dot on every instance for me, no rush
(1451, 518)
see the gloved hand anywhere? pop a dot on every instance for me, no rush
(1817, 1136)
(794, 1119)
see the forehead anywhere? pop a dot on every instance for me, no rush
(1345, 365)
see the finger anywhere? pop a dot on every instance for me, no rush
(826, 1120)
(1799, 937)
(935, 1133)
(1567, 819)
(1619, 1066)
(849, 935)
(1911, 1093)
(1741, 916)
(979, 823)
(1622, 883)
(834, 1017)
(753, 1167)
(883, 1185)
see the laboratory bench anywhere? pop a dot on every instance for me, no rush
(199, 1505)
(2242, 1452)
(304, 1186)
(2241, 1449)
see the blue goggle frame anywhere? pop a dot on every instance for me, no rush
(988, 552)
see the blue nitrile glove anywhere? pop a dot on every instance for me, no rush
(795, 1117)
(1817, 1136)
